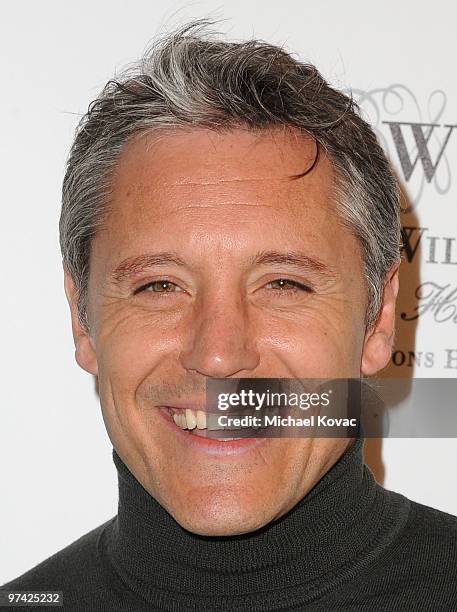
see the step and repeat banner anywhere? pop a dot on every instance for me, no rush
(419, 134)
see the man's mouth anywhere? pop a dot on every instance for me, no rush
(199, 423)
(194, 428)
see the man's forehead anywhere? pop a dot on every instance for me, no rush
(201, 157)
(221, 196)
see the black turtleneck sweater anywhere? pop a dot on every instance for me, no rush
(348, 545)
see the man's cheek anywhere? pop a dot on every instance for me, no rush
(311, 348)
(129, 338)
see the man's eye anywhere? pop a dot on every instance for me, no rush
(159, 286)
(286, 284)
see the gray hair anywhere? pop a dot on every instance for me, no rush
(190, 79)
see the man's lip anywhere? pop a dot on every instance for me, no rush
(210, 446)
(196, 403)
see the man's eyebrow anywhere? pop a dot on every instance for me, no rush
(135, 265)
(296, 259)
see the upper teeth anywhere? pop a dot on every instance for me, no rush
(191, 419)
(188, 419)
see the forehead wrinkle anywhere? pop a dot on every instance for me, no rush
(218, 206)
(229, 180)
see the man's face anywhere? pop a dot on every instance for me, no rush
(185, 284)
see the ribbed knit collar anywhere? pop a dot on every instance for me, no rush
(345, 521)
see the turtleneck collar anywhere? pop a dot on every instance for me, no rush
(335, 530)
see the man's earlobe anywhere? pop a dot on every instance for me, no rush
(84, 345)
(379, 339)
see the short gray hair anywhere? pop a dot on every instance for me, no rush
(190, 78)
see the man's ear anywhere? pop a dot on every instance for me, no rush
(379, 338)
(84, 346)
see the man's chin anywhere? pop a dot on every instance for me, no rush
(224, 516)
(228, 526)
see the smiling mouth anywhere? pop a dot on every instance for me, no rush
(196, 422)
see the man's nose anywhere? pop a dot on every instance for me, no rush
(221, 340)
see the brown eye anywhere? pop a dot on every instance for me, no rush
(159, 286)
(284, 284)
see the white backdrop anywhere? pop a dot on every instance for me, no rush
(57, 480)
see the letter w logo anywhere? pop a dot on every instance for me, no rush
(421, 139)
